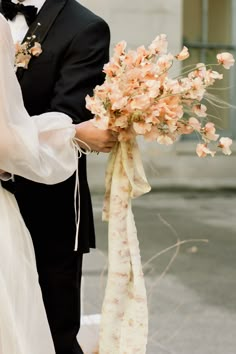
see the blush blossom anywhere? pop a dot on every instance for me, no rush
(200, 110)
(36, 49)
(225, 59)
(224, 144)
(184, 54)
(202, 150)
(209, 132)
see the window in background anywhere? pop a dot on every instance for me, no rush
(207, 30)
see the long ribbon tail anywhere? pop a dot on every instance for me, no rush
(124, 320)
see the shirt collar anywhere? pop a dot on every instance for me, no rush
(37, 3)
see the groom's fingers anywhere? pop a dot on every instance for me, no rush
(97, 139)
(105, 146)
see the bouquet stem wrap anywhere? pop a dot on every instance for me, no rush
(124, 321)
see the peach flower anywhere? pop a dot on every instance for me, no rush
(211, 76)
(120, 48)
(194, 123)
(225, 59)
(159, 45)
(189, 126)
(22, 60)
(142, 128)
(209, 132)
(36, 50)
(224, 144)
(184, 54)
(200, 110)
(202, 150)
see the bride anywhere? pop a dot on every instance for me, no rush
(43, 150)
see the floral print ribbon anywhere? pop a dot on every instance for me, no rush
(124, 320)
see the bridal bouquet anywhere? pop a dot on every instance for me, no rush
(139, 98)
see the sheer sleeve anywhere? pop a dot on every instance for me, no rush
(39, 148)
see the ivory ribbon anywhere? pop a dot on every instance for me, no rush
(124, 318)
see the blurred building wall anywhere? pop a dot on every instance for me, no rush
(139, 21)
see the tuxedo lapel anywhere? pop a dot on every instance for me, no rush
(46, 17)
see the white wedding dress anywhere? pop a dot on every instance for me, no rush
(42, 149)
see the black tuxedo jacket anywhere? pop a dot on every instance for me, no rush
(75, 46)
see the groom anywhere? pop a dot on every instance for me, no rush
(75, 46)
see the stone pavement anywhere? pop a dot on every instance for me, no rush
(191, 288)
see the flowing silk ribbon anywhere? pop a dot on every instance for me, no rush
(124, 319)
(79, 151)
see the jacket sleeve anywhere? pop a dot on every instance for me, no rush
(81, 70)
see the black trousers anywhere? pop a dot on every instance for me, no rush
(60, 281)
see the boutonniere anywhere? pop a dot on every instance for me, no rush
(26, 50)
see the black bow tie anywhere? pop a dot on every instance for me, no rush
(11, 9)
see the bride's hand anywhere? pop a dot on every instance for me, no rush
(97, 139)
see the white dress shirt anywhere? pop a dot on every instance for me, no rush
(18, 25)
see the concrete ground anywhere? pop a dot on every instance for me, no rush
(191, 287)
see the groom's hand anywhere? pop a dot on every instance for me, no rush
(94, 138)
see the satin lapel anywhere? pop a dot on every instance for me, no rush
(46, 18)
